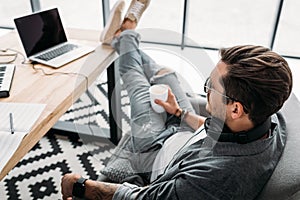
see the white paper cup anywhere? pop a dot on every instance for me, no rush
(158, 91)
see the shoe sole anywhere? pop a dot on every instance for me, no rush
(131, 5)
(118, 6)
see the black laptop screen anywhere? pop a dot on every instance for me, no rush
(40, 31)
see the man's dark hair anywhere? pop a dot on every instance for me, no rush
(257, 77)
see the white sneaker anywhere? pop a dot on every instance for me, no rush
(114, 22)
(136, 9)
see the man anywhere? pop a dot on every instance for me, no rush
(230, 155)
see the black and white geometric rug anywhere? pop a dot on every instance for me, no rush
(38, 174)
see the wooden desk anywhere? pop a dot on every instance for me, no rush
(57, 91)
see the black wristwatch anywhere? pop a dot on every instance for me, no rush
(79, 188)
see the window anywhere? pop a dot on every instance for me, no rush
(288, 34)
(226, 23)
(211, 24)
(12, 9)
(161, 16)
(78, 13)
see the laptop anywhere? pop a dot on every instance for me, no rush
(44, 39)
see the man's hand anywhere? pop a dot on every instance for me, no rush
(171, 105)
(67, 182)
(94, 189)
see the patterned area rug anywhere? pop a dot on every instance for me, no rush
(38, 174)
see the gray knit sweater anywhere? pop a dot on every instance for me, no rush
(222, 171)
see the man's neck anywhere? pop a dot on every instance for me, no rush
(239, 125)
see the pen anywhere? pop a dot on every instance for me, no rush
(12, 130)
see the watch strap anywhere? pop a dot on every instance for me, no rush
(81, 180)
(79, 188)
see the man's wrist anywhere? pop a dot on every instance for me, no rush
(100, 190)
(181, 113)
(178, 112)
(91, 187)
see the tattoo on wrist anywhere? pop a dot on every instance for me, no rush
(103, 191)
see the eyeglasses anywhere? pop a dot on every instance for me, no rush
(208, 88)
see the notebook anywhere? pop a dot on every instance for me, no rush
(20, 117)
(44, 39)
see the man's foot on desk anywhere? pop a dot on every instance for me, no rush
(114, 22)
(136, 9)
(133, 15)
(115, 25)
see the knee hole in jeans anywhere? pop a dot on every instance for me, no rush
(164, 71)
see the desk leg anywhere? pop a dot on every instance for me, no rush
(114, 99)
(115, 118)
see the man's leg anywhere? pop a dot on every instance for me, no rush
(136, 68)
(145, 123)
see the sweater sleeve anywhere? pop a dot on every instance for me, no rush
(178, 188)
(126, 191)
(208, 183)
(163, 190)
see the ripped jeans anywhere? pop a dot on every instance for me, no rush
(148, 128)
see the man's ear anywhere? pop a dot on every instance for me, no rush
(237, 110)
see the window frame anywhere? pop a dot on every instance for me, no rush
(36, 6)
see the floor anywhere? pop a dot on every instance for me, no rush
(38, 174)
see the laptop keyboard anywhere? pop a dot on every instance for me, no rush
(57, 52)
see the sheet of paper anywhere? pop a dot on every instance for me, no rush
(9, 144)
(24, 117)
